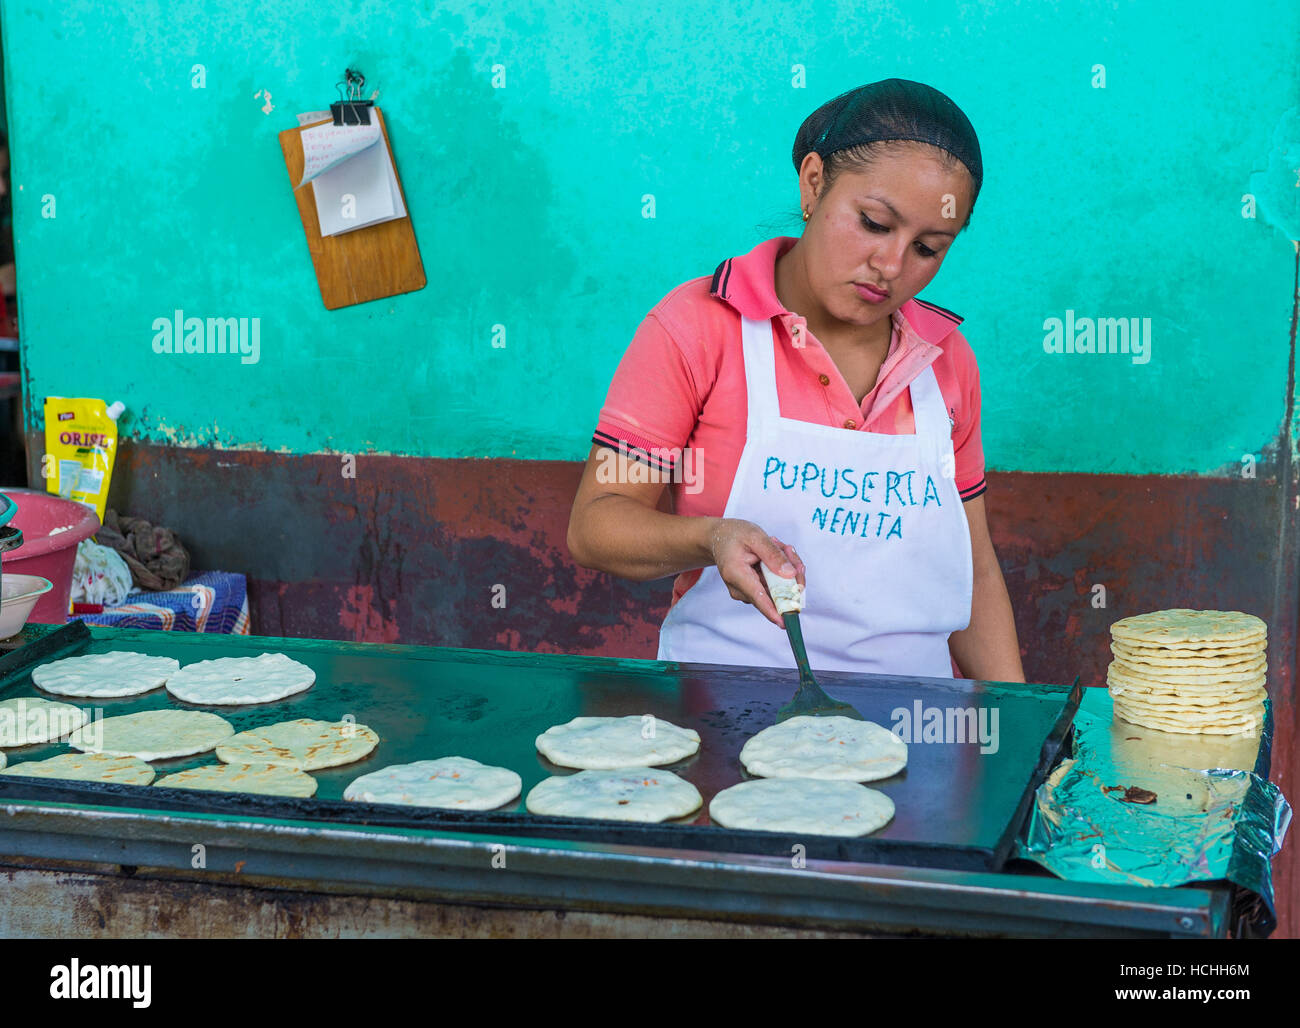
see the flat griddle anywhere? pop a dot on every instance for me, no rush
(957, 808)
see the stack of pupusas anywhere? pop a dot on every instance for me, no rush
(1200, 672)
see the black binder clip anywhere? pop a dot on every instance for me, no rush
(352, 110)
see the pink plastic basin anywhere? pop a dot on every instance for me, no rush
(46, 555)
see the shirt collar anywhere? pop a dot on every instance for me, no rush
(748, 284)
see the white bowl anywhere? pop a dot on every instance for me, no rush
(18, 595)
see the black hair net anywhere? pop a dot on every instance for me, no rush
(891, 109)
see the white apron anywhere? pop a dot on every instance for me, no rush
(879, 525)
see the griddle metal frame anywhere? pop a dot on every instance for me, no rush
(543, 874)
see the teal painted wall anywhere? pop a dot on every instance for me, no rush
(1116, 202)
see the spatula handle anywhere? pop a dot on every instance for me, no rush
(795, 633)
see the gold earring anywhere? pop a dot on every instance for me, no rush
(805, 215)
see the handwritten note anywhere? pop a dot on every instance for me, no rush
(327, 146)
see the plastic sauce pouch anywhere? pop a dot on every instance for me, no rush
(80, 444)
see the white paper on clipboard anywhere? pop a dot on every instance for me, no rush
(351, 171)
(361, 191)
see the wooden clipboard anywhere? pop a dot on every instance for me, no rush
(362, 265)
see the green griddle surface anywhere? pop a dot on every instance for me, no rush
(955, 806)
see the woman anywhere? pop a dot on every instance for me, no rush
(814, 416)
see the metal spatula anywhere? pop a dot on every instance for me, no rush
(809, 699)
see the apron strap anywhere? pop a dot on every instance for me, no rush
(758, 342)
(928, 408)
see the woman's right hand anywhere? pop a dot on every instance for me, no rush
(737, 547)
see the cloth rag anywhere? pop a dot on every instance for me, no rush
(157, 560)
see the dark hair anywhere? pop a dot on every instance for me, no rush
(851, 131)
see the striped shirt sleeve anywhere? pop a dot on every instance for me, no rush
(652, 405)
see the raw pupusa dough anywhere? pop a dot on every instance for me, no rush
(609, 743)
(453, 783)
(799, 805)
(105, 675)
(787, 593)
(826, 748)
(231, 681)
(631, 794)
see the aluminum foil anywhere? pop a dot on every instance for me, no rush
(1215, 814)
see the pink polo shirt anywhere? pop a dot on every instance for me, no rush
(681, 384)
